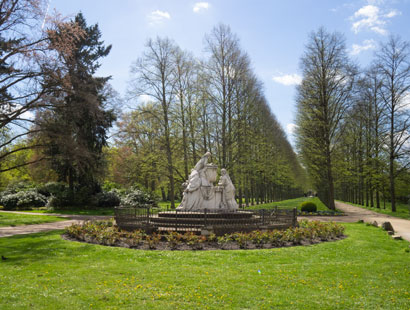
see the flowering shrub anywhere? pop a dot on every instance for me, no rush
(23, 200)
(106, 233)
(138, 198)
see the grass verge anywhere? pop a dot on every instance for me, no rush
(290, 204)
(367, 270)
(11, 219)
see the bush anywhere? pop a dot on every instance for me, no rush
(23, 200)
(107, 199)
(308, 206)
(52, 189)
(138, 198)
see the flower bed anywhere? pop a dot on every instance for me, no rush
(106, 233)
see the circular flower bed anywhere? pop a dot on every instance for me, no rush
(106, 233)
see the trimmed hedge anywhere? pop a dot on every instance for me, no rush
(308, 206)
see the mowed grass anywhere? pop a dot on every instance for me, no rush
(367, 270)
(402, 209)
(290, 204)
(12, 219)
(79, 211)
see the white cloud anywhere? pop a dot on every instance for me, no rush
(157, 17)
(200, 6)
(144, 98)
(290, 128)
(288, 79)
(366, 45)
(371, 17)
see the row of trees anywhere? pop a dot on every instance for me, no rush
(194, 106)
(355, 123)
(55, 113)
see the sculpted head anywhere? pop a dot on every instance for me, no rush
(223, 171)
(208, 154)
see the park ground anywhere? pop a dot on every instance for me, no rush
(366, 270)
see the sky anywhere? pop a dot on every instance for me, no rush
(273, 33)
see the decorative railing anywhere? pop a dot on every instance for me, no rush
(217, 221)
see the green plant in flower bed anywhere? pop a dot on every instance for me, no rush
(106, 233)
(153, 240)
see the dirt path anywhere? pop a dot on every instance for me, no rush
(35, 228)
(353, 214)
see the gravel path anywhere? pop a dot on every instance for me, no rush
(354, 214)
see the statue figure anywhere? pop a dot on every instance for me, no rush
(199, 192)
(192, 195)
(228, 194)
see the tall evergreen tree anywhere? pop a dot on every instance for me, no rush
(76, 128)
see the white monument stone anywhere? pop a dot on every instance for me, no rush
(200, 192)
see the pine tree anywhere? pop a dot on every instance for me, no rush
(76, 128)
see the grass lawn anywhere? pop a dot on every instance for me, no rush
(290, 204)
(367, 270)
(10, 219)
(402, 209)
(102, 211)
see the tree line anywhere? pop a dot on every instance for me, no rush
(353, 124)
(56, 114)
(196, 105)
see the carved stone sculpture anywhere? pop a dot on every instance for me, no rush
(200, 192)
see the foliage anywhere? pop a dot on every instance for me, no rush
(322, 100)
(308, 206)
(23, 200)
(108, 234)
(138, 198)
(52, 189)
(107, 199)
(74, 131)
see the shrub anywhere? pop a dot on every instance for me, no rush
(52, 189)
(138, 198)
(107, 199)
(308, 206)
(23, 200)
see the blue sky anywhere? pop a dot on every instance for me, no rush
(272, 32)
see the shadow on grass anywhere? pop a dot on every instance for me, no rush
(26, 249)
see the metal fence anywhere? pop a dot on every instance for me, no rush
(216, 221)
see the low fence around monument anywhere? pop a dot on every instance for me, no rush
(216, 221)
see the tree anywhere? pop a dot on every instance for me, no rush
(323, 98)
(75, 129)
(393, 62)
(154, 77)
(26, 61)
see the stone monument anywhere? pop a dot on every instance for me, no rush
(200, 192)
